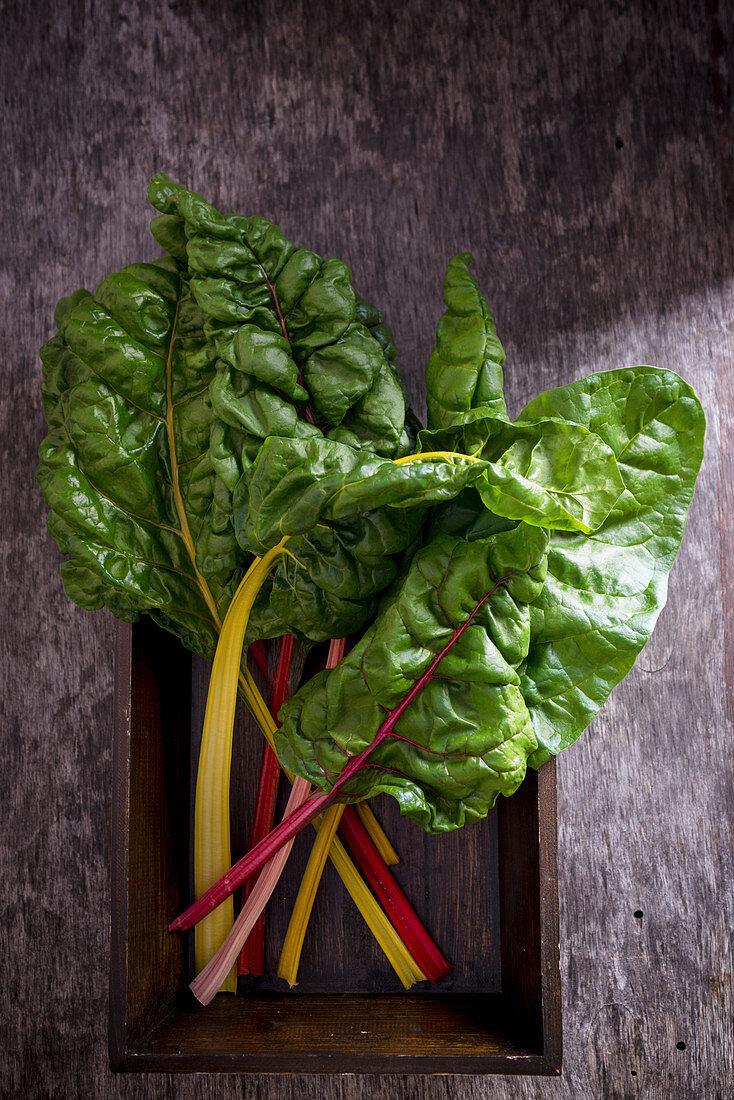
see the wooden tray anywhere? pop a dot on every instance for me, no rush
(488, 893)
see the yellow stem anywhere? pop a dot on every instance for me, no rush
(290, 956)
(446, 456)
(395, 950)
(378, 835)
(212, 854)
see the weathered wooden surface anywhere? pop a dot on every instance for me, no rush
(584, 152)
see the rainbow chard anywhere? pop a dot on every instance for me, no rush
(230, 452)
(611, 504)
(427, 707)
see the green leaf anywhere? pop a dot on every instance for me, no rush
(287, 318)
(320, 492)
(430, 695)
(604, 592)
(294, 485)
(328, 584)
(464, 372)
(548, 472)
(125, 467)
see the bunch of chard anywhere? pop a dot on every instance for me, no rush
(230, 451)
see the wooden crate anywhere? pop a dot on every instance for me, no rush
(488, 893)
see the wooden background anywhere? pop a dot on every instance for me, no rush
(584, 153)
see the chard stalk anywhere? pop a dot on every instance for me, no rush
(395, 950)
(211, 823)
(377, 834)
(252, 956)
(206, 984)
(290, 955)
(259, 655)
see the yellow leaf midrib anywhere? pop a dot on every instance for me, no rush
(185, 531)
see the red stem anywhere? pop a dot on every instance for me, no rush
(406, 921)
(252, 955)
(250, 864)
(281, 683)
(251, 959)
(260, 656)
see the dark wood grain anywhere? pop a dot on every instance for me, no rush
(584, 152)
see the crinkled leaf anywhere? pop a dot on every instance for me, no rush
(464, 372)
(546, 473)
(433, 684)
(328, 584)
(245, 413)
(296, 484)
(312, 331)
(128, 372)
(549, 472)
(604, 592)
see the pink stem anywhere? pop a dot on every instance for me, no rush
(253, 950)
(206, 984)
(336, 652)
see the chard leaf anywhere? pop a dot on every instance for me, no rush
(604, 593)
(294, 485)
(327, 585)
(289, 321)
(125, 466)
(547, 471)
(431, 692)
(325, 588)
(464, 372)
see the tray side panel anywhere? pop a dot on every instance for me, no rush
(431, 1033)
(159, 823)
(550, 964)
(519, 889)
(529, 913)
(119, 844)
